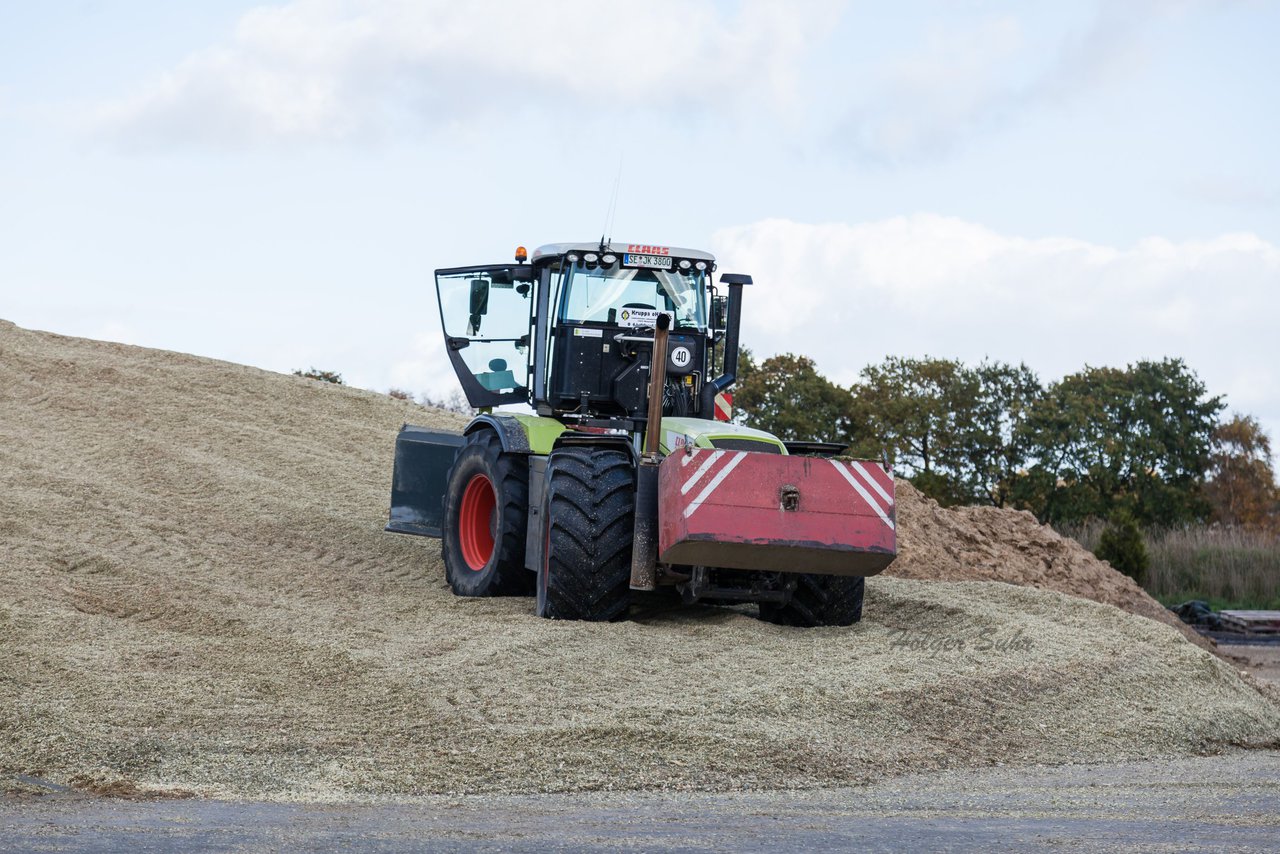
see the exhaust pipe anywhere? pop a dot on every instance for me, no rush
(644, 538)
(657, 383)
(707, 400)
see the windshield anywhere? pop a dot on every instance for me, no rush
(601, 295)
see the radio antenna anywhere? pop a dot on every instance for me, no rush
(607, 231)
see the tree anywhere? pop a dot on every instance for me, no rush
(787, 396)
(1242, 483)
(1097, 442)
(997, 448)
(746, 367)
(922, 412)
(1121, 545)
(1137, 438)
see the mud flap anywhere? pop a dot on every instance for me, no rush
(419, 480)
(748, 510)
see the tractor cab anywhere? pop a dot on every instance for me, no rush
(570, 331)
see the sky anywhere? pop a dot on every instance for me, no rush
(1060, 184)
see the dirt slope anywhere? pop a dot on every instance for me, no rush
(196, 593)
(989, 544)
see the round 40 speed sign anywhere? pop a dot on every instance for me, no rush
(680, 358)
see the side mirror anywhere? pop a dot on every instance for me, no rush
(479, 303)
(719, 312)
(479, 296)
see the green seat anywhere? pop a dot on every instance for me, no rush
(498, 376)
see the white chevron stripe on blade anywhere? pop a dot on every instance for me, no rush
(872, 482)
(861, 490)
(715, 481)
(702, 469)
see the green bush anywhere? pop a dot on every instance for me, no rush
(1121, 545)
(324, 376)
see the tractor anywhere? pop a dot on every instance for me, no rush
(620, 471)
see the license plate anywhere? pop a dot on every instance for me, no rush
(661, 262)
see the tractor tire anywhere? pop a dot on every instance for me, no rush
(819, 600)
(588, 518)
(486, 514)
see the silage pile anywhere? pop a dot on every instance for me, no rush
(990, 544)
(196, 594)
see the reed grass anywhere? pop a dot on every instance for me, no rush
(1228, 567)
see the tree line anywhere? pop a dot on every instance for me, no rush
(1146, 442)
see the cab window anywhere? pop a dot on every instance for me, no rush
(489, 308)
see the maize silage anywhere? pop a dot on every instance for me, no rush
(196, 595)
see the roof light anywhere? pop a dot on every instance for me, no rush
(685, 263)
(608, 260)
(522, 254)
(701, 265)
(590, 259)
(571, 258)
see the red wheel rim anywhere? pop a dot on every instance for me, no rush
(475, 522)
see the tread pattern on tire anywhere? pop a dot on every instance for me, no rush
(505, 575)
(590, 517)
(819, 600)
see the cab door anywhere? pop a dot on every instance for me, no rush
(486, 314)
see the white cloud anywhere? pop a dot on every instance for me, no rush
(331, 69)
(964, 78)
(849, 295)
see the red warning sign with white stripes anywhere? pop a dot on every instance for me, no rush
(724, 406)
(750, 510)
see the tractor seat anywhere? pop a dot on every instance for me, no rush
(498, 377)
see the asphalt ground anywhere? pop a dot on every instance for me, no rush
(1213, 803)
